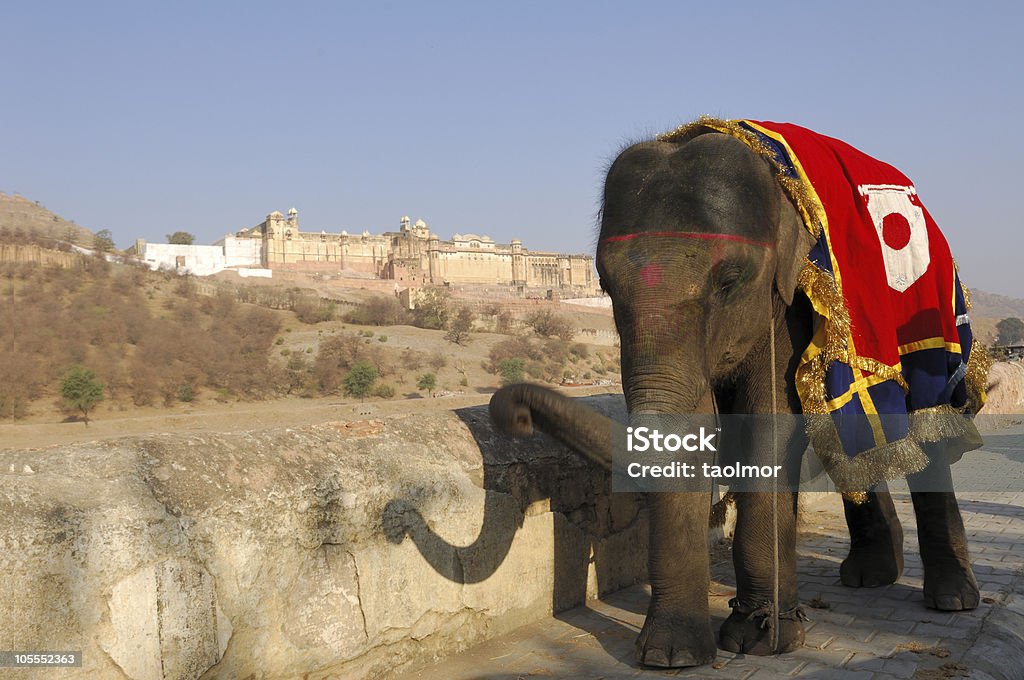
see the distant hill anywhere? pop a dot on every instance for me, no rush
(18, 213)
(995, 306)
(988, 309)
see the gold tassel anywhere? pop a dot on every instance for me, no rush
(978, 365)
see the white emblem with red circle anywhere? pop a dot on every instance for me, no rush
(902, 232)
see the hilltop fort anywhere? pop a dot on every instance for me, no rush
(412, 256)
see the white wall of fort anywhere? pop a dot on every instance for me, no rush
(240, 252)
(229, 252)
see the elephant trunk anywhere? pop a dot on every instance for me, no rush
(660, 392)
(662, 374)
(517, 409)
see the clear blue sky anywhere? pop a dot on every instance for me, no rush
(146, 118)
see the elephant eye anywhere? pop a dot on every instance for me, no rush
(729, 277)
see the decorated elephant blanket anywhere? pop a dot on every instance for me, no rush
(891, 360)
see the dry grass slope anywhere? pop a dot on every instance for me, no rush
(18, 213)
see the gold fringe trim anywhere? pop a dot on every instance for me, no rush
(820, 288)
(978, 365)
(829, 342)
(794, 188)
(889, 461)
(941, 429)
(884, 371)
(945, 424)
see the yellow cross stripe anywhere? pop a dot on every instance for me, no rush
(930, 343)
(857, 386)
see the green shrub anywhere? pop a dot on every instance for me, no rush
(81, 391)
(359, 381)
(511, 370)
(427, 383)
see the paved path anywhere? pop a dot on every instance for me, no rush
(870, 634)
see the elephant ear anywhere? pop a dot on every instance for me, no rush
(792, 243)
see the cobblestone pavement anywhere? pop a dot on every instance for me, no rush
(870, 634)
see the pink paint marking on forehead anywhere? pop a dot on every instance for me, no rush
(651, 274)
(690, 234)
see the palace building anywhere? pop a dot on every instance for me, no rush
(411, 256)
(414, 256)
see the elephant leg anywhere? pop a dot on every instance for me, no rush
(677, 631)
(876, 541)
(949, 583)
(753, 558)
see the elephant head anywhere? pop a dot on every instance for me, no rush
(698, 248)
(699, 251)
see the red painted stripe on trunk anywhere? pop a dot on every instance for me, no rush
(690, 234)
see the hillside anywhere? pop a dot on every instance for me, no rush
(995, 306)
(157, 341)
(19, 214)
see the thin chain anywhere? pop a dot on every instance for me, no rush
(775, 485)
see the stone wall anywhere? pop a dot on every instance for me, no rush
(32, 254)
(349, 549)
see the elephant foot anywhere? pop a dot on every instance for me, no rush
(876, 542)
(872, 565)
(750, 632)
(951, 589)
(675, 641)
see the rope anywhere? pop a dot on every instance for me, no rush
(765, 610)
(775, 486)
(770, 610)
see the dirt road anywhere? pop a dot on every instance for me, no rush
(235, 417)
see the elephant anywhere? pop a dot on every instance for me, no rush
(700, 251)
